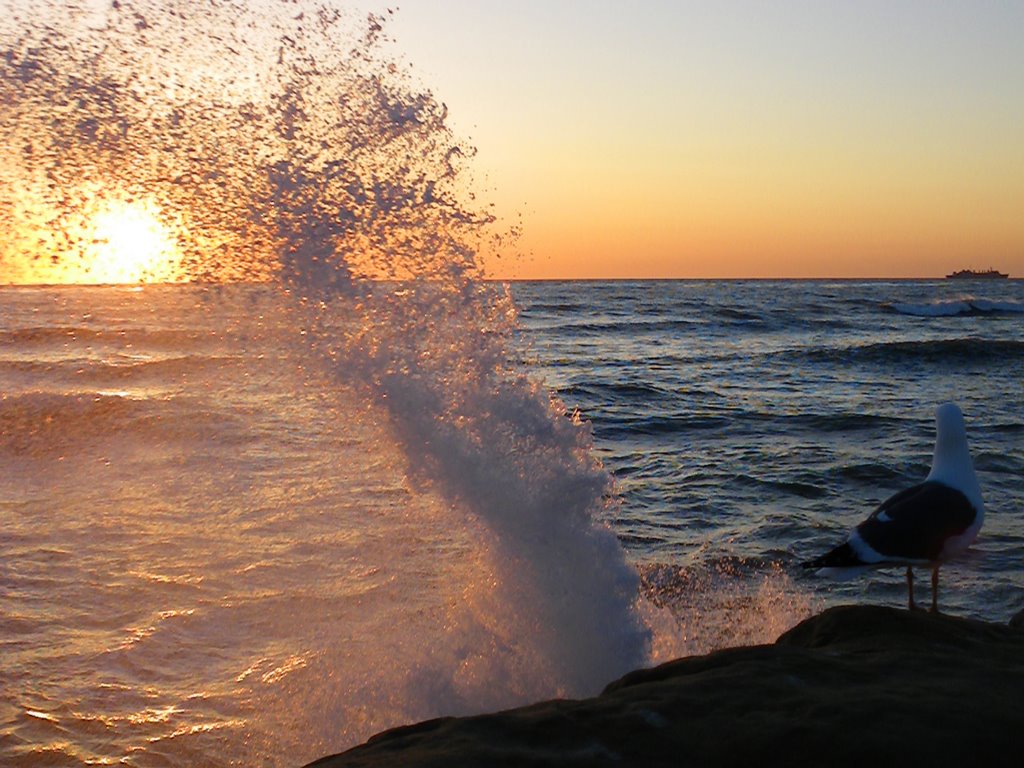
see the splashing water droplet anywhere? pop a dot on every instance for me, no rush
(269, 144)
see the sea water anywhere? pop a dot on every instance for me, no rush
(750, 423)
(215, 553)
(338, 482)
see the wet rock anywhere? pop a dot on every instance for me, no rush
(1018, 620)
(852, 686)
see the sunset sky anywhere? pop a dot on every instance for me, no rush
(732, 139)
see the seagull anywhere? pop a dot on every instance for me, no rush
(924, 525)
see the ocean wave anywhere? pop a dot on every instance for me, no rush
(805, 490)
(625, 390)
(871, 473)
(611, 427)
(957, 307)
(43, 424)
(121, 369)
(731, 313)
(49, 334)
(147, 337)
(1015, 426)
(838, 422)
(970, 349)
(627, 325)
(553, 307)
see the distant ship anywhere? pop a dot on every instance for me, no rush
(970, 274)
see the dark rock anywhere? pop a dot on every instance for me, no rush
(851, 686)
(1018, 620)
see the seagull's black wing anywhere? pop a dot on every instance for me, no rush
(916, 522)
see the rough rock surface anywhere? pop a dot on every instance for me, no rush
(852, 686)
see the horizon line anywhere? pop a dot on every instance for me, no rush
(932, 278)
(492, 279)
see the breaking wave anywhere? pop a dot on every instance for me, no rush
(953, 351)
(959, 307)
(279, 143)
(43, 424)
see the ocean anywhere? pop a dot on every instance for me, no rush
(335, 481)
(749, 423)
(215, 551)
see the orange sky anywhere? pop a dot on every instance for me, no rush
(744, 140)
(682, 138)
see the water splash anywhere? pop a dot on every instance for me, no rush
(279, 143)
(274, 139)
(722, 604)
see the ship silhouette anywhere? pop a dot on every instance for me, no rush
(971, 274)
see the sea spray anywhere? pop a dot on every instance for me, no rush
(433, 347)
(279, 143)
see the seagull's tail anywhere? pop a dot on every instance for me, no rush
(842, 556)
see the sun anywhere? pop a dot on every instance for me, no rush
(128, 243)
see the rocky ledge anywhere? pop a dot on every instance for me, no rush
(851, 686)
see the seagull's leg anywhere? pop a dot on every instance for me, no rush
(910, 588)
(935, 589)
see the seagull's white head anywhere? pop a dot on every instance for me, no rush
(952, 463)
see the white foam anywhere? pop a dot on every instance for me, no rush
(964, 306)
(985, 305)
(494, 444)
(936, 309)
